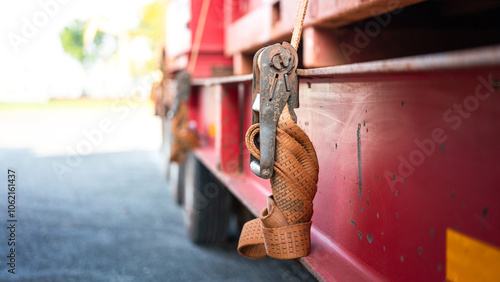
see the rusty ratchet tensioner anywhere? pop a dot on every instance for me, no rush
(182, 93)
(183, 138)
(274, 84)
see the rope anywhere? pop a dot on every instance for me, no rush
(184, 139)
(299, 23)
(198, 36)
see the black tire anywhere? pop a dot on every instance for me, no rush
(176, 181)
(243, 215)
(207, 204)
(174, 173)
(167, 146)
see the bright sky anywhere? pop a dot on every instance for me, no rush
(36, 62)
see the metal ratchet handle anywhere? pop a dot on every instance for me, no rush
(275, 84)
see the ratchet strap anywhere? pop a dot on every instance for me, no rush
(184, 139)
(283, 229)
(155, 96)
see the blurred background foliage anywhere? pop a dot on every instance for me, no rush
(72, 42)
(150, 27)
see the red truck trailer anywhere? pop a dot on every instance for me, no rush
(401, 100)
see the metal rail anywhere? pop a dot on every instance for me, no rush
(470, 58)
(221, 80)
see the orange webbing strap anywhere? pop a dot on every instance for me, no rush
(283, 229)
(184, 139)
(154, 88)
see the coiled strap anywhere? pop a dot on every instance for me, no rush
(184, 139)
(283, 229)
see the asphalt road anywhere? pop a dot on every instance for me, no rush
(95, 206)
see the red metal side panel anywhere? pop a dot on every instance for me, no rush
(202, 109)
(229, 129)
(402, 158)
(213, 29)
(267, 22)
(207, 63)
(248, 188)
(193, 104)
(212, 40)
(210, 56)
(238, 8)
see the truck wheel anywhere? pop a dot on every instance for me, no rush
(174, 173)
(176, 181)
(167, 146)
(207, 204)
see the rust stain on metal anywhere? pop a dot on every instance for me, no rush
(495, 83)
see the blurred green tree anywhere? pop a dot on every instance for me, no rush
(72, 42)
(152, 26)
(72, 39)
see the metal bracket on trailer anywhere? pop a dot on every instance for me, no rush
(275, 84)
